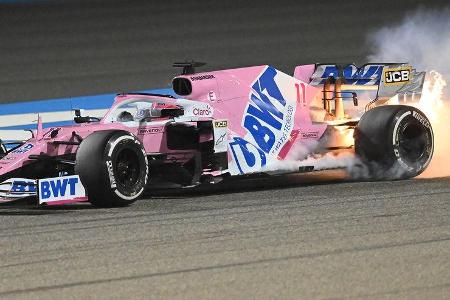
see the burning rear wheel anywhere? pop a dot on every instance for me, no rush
(395, 142)
(113, 168)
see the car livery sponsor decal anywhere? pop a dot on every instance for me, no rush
(221, 139)
(16, 188)
(309, 135)
(197, 109)
(365, 75)
(207, 111)
(23, 186)
(220, 124)
(220, 129)
(268, 120)
(202, 77)
(395, 76)
(61, 189)
(150, 130)
(23, 149)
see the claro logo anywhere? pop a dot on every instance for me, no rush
(202, 111)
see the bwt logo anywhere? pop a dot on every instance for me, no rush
(367, 74)
(23, 187)
(58, 187)
(263, 116)
(23, 149)
(263, 120)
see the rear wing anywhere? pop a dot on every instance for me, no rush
(388, 79)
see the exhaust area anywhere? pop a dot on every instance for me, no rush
(423, 40)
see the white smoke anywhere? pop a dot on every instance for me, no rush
(300, 156)
(423, 40)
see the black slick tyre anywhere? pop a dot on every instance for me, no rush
(394, 142)
(113, 168)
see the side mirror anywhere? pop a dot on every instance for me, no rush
(78, 113)
(79, 119)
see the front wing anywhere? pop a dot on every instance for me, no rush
(49, 191)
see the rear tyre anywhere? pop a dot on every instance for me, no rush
(394, 142)
(113, 168)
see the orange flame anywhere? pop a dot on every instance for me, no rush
(432, 101)
(436, 108)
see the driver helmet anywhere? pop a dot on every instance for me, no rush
(143, 113)
(125, 116)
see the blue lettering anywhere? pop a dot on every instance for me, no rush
(24, 149)
(262, 108)
(330, 71)
(249, 156)
(262, 120)
(353, 74)
(19, 186)
(72, 183)
(32, 187)
(44, 189)
(372, 72)
(350, 71)
(362, 75)
(267, 82)
(265, 112)
(263, 136)
(23, 186)
(59, 187)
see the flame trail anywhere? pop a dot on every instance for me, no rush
(433, 104)
(423, 40)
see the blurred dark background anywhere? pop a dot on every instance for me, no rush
(55, 49)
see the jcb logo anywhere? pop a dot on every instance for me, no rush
(220, 124)
(397, 76)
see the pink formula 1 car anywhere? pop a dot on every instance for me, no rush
(224, 123)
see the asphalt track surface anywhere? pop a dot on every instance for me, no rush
(290, 237)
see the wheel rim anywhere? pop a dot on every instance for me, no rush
(413, 142)
(127, 169)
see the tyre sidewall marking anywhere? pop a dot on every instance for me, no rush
(110, 170)
(396, 136)
(426, 123)
(112, 179)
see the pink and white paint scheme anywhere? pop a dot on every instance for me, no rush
(257, 115)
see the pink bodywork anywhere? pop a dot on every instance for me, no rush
(225, 94)
(230, 92)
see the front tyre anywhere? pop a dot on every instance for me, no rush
(113, 168)
(395, 142)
